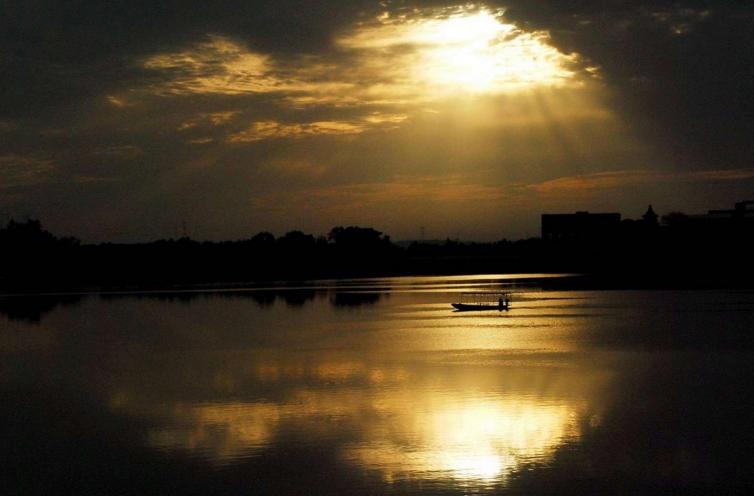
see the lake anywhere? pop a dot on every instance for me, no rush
(372, 386)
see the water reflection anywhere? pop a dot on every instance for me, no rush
(32, 308)
(354, 299)
(264, 297)
(403, 416)
(624, 391)
(341, 293)
(294, 297)
(473, 440)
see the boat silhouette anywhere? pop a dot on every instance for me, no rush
(483, 301)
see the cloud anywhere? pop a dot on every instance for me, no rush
(214, 66)
(209, 118)
(464, 49)
(428, 55)
(116, 101)
(630, 178)
(17, 170)
(270, 129)
(298, 167)
(453, 189)
(680, 71)
(679, 20)
(119, 151)
(262, 130)
(721, 175)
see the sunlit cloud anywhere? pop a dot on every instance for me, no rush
(217, 118)
(429, 55)
(380, 118)
(463, 49)
(621, 179)
(212, 119)
(116, 101)
(215, 66)
(225, 67)
(273, 129)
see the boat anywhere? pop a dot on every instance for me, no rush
(483, 301)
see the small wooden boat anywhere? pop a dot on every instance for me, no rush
(483, 301)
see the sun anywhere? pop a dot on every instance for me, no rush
(466, 50)
(481, 53)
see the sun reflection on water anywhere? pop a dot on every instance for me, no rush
(401, 421)
(478, 440)
(434, 436)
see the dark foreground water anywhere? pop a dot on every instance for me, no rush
(376, 386)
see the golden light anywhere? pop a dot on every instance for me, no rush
(399, 60)
(473, 51)
(474, 441)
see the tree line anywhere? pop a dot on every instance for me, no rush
(33, 259)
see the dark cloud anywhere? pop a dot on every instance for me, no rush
(54, 54)
(682, 72)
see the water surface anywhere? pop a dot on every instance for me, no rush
(377, 386)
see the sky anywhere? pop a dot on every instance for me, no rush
(136, 120)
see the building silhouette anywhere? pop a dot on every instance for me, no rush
(649, 218)
(741, 214)
(737, 221)
(579, 226)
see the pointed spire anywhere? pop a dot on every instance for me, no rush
(650, 217)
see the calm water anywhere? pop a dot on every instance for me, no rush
(377, 386)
